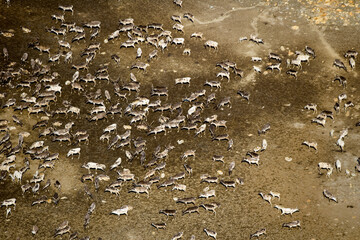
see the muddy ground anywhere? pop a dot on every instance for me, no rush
(276, 98)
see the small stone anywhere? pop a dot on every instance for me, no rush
(288, 159)
(180, 142)
(295, 27)
(127, 127)
(282, 48)
(219, 172)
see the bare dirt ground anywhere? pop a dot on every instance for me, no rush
(329, 27)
